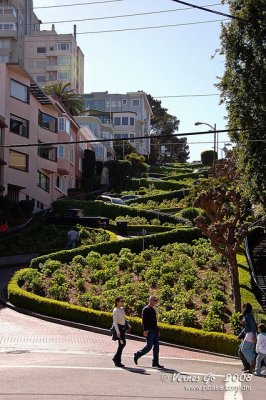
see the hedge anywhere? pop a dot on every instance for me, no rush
(191, 337)
(180, 177)
(174, 194)
(135, 184)
(135, 244)
(96, 208)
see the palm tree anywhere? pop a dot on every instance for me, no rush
(72, 101)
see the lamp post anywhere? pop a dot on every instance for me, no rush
(215, 139)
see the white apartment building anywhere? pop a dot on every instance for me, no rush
(51, 57)
(17, 19)
(129, 115)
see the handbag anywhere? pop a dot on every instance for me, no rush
(113, 333)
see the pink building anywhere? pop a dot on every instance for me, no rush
(33, 165)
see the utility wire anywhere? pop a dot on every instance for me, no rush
(123, 16)
(126, 139)
(208, 10)
(79, 4)
(151, 27)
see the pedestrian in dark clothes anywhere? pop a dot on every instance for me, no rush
(151, 332)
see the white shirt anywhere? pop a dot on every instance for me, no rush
(119, 317)
(261, 343)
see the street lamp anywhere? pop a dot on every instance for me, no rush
(215, 139)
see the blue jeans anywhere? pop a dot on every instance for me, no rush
(260, 357)
(248, 349)
(152, 341)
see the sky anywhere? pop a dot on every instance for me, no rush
(180, 61)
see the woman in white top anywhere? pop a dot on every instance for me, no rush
(119, 322)
(260, 348)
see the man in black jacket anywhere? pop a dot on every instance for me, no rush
(151, 332)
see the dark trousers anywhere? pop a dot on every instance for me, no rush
(121, 344)
(152, 342)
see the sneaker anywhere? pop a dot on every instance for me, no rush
(256, 374)
(157, 366)
(136, 358)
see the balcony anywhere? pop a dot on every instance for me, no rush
(8, 30)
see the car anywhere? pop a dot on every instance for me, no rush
(130, 197)
(112, 200)
(73, 216)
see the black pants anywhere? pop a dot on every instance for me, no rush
(121, 344)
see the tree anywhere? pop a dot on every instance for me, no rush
(88, 170)
(225, 221)
(208, 157)
(118, 171)
(72, 101)
(122, 148)
(243, 89)
(138, 165)
(163, 123)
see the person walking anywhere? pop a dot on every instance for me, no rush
(121, 326)
(260, 349)
(151, 332)
(72, 237)
(248, 345)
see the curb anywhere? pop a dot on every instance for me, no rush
(101, 331)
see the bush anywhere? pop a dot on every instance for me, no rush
(207, 157)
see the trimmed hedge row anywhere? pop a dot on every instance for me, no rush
(135, 244)
(174, 194)
(180, 177)
(135, 184)
(211, 341)
(96, 208)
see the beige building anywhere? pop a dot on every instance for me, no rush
(17, 19)
(128, 114)
(32, 164)
(51, 57)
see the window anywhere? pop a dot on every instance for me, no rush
(4, 44)
(64, 75)
(41, 64)
(64, 124)
(132, 121)
(124, 120)
(43, 181)
(19, 126)
(47, 122)
(41, 78)
(117, 121)
(61, 151)
(18, 160)
(113, 103)
(63, 60)
(63, 46)
(61, 183)
(4, 59)
(8, 27)
(47, 152)
(19, 91)
(41, 50)
(135, 103)
(124, 102)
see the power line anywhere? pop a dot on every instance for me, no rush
(124, 15)
(150, 27)
(208, 10)
(79, 4)
(126, 139)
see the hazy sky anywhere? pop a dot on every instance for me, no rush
(169, 61)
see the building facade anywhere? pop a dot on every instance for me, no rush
(17, 19)
(41, 159)
(51, 57)
(128, 114)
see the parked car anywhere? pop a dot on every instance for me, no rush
(112, 200)
(130, 197)
(73, 216)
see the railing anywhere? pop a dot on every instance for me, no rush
(261, 223)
